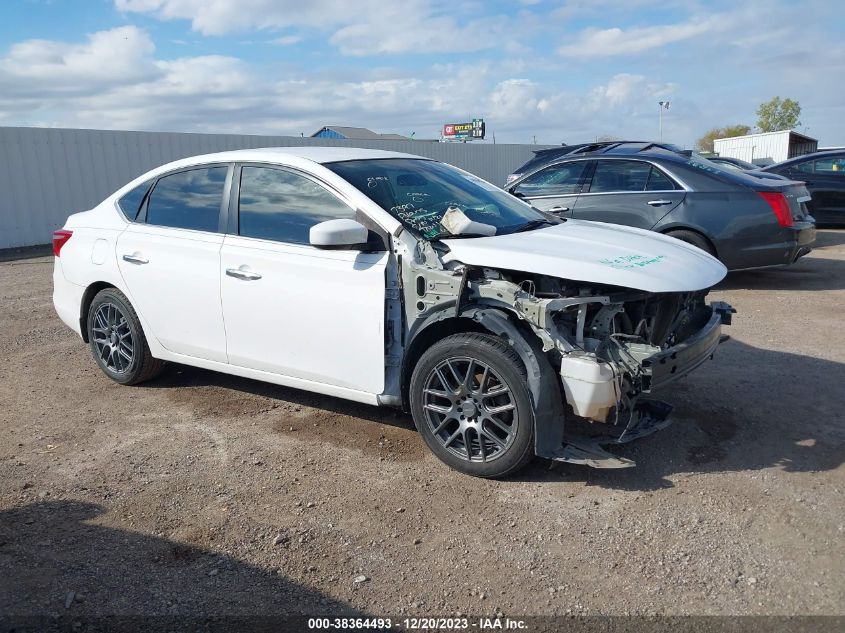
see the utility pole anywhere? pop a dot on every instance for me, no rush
(664, 105)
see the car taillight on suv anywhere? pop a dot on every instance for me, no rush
(60, 238)
(780, 206)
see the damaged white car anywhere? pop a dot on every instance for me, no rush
(393, 280)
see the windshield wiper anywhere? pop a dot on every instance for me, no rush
(457, 236)
(530, 225)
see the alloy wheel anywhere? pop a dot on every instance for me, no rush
(470, 410)
(113, 338)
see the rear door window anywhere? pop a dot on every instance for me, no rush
(561, 179)
(658, 181)
(620, 175)
(282, 206)
(188, 199)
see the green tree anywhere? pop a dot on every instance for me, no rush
(778, 114)
(705, 143)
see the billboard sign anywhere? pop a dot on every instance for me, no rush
(464, 131)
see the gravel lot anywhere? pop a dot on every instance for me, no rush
(202, 493)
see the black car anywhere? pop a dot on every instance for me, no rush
(824, 175)
(733, 163)
(744, 220)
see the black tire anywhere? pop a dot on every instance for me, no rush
(141, 365)
(478, 424)
(696, 239)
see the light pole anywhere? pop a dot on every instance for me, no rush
(664, 105)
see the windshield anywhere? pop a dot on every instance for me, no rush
(420, 192)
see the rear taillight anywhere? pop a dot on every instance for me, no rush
(780, 207)
(60, 238)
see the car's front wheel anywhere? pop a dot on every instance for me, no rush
(117, 340)
(470, 402)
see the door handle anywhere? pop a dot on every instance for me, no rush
(659, 203)
(134, 258)
(558, 210)
(244, 275)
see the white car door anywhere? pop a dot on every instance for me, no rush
(290, 308)
(170, 261)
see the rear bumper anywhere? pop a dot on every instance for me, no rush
(780, 247)
(67, 298)
(668, 365)
(805, 239)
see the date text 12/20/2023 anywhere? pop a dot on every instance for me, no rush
(421, 623)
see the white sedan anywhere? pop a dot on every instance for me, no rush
(393, 280)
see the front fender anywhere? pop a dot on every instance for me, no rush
(543, 385)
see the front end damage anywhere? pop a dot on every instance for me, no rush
(607, 347)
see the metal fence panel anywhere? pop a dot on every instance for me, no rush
(48, 173)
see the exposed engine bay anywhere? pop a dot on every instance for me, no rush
(608, 345)
(596, 337)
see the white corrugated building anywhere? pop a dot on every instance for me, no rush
(766, 148)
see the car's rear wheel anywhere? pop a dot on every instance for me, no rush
(117, 340)
(470, 402)
(691, 237)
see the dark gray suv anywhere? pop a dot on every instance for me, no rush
(745, 220)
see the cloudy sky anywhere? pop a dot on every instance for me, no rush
(552, 69)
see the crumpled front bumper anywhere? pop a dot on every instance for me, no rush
(675, 362)
(644, 416)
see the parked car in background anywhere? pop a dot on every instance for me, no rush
(745, 220)
(823, 174)
(733, 163)
(547, 154)
(395, 280)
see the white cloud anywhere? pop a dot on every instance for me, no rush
(362, 27)
(615, 41)
(516, 99)
(626, 89)
(287, 40)
(399, 30)
(115, 79)
(218, 17)
(121, 55)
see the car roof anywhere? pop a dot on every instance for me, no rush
(314, 154)
(609, 147)
(813, 156)
(296, 157)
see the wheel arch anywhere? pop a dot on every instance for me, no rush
(436, 327)
(686, 227)
(546, 393)
(85, 305)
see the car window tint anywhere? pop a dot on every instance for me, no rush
(130, 203)
(658, 181)
(806, 167)
(555, 180)
(834, 166)
(620, 175)
(283, 206)
(188, 199)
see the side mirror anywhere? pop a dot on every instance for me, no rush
(340, 234)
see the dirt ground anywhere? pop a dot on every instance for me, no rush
(201, 493)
